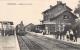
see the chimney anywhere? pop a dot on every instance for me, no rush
(51, 6)
(59, 2)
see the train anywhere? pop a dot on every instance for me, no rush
(20, 30)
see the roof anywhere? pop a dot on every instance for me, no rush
(6, 22)
(52, 7)
(38, 25)
(74, 16)
(29, 25)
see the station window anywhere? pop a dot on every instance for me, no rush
(66, 17)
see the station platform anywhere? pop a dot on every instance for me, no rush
(9, 43)
(53, 37)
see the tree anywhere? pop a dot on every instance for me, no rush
(77, 10)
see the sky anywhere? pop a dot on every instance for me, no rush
(28, 11)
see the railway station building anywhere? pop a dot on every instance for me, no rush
(57, 17)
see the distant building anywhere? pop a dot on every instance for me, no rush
(57, 18)
(6, 28)
(29, 27)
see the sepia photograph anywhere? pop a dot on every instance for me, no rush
(39, 24)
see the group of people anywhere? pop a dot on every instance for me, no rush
(71, 35)
(59, 35)
(7, 32)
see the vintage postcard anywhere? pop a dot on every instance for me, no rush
(39, 24)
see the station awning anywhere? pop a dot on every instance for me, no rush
(47, 22)
(6, 22)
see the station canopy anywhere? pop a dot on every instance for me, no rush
(7, 22)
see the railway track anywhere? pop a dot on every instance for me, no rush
(27, 44)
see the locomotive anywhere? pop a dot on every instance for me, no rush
(20, 30)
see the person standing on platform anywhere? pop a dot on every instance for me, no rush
(67, 35)
(71, 35)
